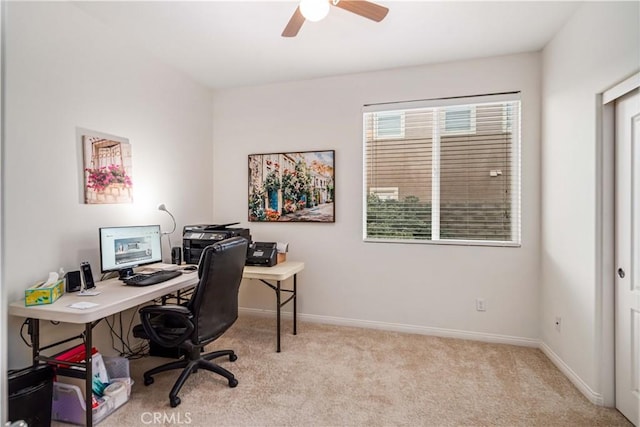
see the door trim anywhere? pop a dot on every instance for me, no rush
(605, 237)
(621, 89)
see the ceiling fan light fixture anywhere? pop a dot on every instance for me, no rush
(314, 10)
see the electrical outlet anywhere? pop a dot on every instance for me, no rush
(481, 305)
(558, 323)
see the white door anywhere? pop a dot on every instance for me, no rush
(627, 322)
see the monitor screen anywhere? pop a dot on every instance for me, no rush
(122, 248)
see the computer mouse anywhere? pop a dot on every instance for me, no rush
(190, 268)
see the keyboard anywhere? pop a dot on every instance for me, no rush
(151, 278)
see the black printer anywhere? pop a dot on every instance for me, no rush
(197, 237)
(263, 254)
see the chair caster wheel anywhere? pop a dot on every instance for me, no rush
(233, 382)
(174, 401)
(233, 357)
(148, 380)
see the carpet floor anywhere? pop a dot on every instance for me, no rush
(344, 376)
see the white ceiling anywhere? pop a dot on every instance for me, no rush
(237, 43)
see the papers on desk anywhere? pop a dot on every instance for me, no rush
(83, 305)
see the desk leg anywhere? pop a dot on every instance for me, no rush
(35, 340)
(35, 353)
(295, 303)
(88, 360)
(278, 290)
(278, 316)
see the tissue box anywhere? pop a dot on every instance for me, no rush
(40, 294)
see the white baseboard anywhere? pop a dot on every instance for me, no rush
(398, 327)
(594, 397)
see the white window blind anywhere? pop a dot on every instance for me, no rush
(455, 171)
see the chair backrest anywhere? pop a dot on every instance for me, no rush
(214, 302)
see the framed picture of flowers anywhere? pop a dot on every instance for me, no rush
(107, 169)
(292, 187)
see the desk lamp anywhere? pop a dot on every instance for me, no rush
(162, 207)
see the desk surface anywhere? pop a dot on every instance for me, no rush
(278, 272)
(116, 297)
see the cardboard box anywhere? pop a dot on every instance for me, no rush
(39, 294)
(282, 249)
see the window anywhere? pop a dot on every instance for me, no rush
(458, 120)
(384, 193)
(389, 124)
(451, 176)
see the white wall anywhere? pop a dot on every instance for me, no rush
(598, 47)
(424, 288)
(64, 70)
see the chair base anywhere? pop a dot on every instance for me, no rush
(174, 353)
(190, 365)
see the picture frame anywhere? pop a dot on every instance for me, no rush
(292, 187)
(107, 168)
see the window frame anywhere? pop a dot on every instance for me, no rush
(515, 163)
(458, 108)
(389, 114)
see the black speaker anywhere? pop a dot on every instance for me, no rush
(176, 255)
(73, 281)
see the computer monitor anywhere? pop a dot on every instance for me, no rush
(122, 248)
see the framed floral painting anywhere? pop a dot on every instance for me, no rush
(107, 169)
(292, 187)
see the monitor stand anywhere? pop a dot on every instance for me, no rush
(125, 273)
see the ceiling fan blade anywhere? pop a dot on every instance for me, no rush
(363, 8)
(294, 25)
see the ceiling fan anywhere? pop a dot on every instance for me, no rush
(315, 10)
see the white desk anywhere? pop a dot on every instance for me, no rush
(115, 297)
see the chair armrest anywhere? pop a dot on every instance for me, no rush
(177, 313)
(166, 309)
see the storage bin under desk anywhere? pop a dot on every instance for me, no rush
(69, 405)
(69, 397)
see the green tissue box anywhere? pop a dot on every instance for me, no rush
(39, 294)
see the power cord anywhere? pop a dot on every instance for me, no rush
(126, 349)
(108, 275)
(29, 326)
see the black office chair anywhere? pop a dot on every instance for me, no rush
(211, 310)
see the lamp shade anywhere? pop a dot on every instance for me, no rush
(314, 10)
